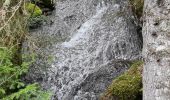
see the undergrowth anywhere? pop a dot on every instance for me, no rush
(11, 86)
(13, 32)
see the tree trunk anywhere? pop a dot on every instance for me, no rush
(156, 50)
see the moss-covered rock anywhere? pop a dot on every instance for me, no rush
(33, 10)
(127, 86)
(36, 18)
(35, 22)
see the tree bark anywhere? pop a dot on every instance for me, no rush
(156, 50)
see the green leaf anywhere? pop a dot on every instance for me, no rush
(2, 91)
(20, 84)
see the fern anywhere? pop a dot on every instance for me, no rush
(13, 31)
(30, 92)
(11, 87)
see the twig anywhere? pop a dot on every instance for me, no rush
(19, 4)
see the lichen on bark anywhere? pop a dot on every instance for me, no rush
(156, 48)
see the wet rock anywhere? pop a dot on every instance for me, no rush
(100, 37)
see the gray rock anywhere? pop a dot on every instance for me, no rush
(101, 36)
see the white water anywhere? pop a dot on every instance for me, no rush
(84, 32)
(74, 56)
(86, 64)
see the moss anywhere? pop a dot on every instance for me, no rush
(36, 19)
(35, 22)
(137, 7)
(33, 10)
(127, 86)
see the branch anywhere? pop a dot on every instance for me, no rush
(17, 7)
(7, 3)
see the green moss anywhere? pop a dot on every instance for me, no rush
(127, 86)
(36, 19)
(35, 22)
(33, 10)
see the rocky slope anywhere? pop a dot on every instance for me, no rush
(100, 39)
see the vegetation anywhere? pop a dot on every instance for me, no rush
(34, 22)
(11, 86)
(127, 86)
(13, 31)
(36, 18)
(137, 7)
(33, 10)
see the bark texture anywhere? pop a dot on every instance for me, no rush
(156, 50)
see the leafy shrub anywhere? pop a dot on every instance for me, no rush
(11, 86)
(13, 31)
(30, 92)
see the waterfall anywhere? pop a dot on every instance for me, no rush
(82, 34)
(101, 40)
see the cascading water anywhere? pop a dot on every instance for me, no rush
(102, 39)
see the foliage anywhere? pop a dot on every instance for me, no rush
(33, 10)
(36, 18)
(30, 92)
(11, 86)
(13, 31)
(127, 86)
